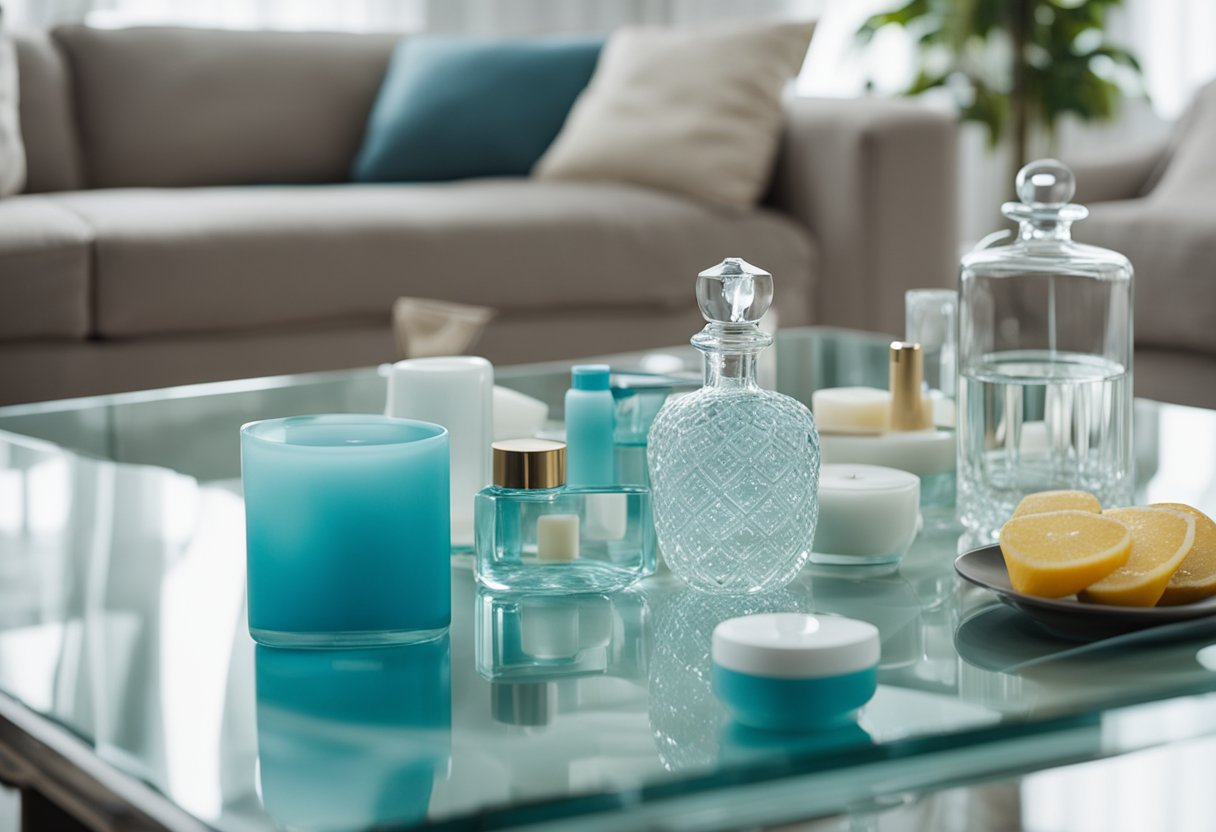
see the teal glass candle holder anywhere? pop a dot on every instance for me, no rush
(347, 523)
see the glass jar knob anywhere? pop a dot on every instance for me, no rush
(1046, 183)
(1044, 189)
(734, 292)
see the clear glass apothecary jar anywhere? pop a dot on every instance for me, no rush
(1045, 360)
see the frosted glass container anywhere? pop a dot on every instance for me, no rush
(734, 468)
(458, 393)
(1045, 361)
(347, 530)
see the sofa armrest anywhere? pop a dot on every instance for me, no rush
(875, 181)
(1125, 174)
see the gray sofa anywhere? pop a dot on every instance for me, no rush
(188, 218)
(1157, 204)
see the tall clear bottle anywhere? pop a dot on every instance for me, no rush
(1045, 360)
(734, 468)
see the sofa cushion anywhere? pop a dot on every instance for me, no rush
(48, 124)
(694, 111)
(44, 270)
(454, 108)
(1190, 170)
(246, 107)
(171, 261)
(1172, 246)
(12, 152)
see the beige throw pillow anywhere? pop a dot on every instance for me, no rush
(12, 151)
(695, 112)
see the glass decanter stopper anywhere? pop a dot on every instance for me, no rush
(734, 468)
(1045, 360)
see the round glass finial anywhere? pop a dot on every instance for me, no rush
(1046, 182)
(1044, 188)
(734, 292)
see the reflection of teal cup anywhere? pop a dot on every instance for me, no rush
(347, 528)
(349, 739)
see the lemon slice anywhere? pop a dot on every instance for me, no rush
(1042, 502)
(1196, 577)
(1161, 540)
(1059, 553)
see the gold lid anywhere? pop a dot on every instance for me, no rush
(908, 410)
(529, 463)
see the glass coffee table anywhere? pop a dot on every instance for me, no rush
(131, 694)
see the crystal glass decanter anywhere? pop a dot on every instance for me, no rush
(1045, 361)
(734, 469)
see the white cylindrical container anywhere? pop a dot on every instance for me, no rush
(458, 393)
(867, 514)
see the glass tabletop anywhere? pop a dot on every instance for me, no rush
(122, 620)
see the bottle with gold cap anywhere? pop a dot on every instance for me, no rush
(534, 533)
(893, 428)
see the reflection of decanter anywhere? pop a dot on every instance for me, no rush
(734, 468)
(685, 717)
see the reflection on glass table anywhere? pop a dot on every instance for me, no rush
(123, 644)
(349, 739)
(548, 637)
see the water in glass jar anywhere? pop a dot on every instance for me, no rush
(1038, 420)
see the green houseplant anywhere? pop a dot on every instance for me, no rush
(1015, 66)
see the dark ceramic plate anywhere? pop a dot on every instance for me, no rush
(1068, 616)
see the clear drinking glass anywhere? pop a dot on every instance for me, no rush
(1045, 361)
(931, 320)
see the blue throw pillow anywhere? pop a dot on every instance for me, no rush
(451, 107)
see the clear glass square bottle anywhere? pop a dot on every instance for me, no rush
(536, 534)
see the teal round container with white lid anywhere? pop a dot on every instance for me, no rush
(794, 671)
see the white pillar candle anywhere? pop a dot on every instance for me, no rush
(458, 393)
(867, 514)
(920, 452)
(851, 410)
(557, 537)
